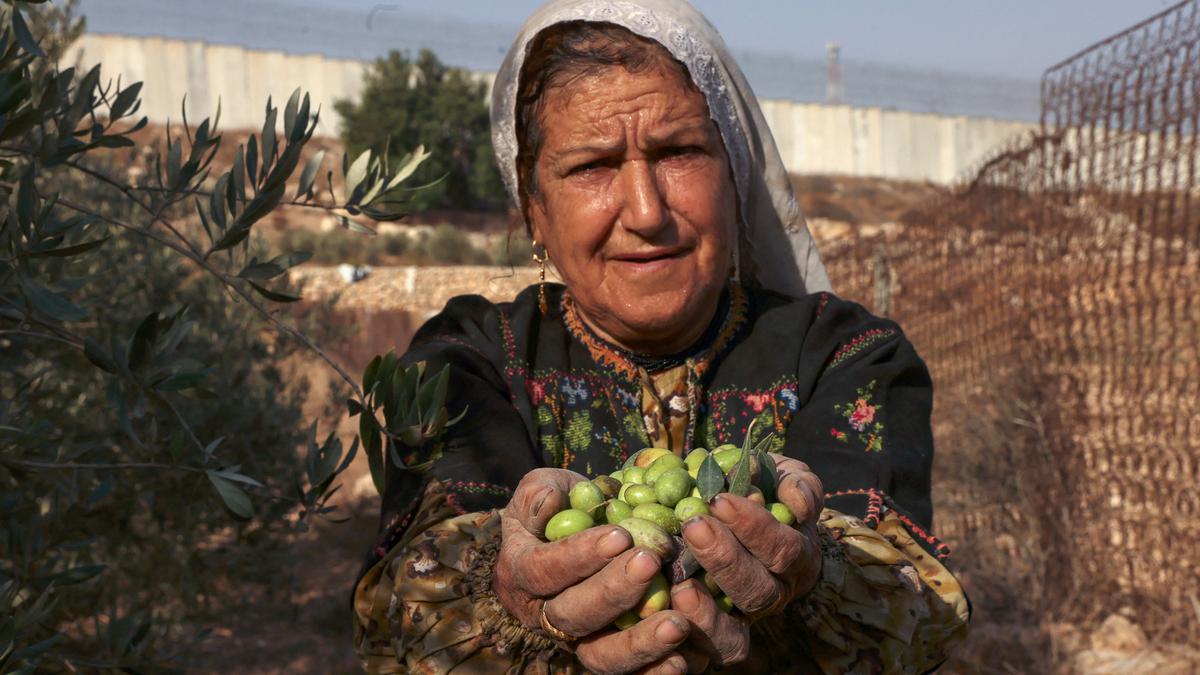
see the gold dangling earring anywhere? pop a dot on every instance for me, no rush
(541, 261)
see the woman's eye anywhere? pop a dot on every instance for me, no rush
(590, 168)
(682, 151)
(584, 168)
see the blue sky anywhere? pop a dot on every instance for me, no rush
(1018, 38)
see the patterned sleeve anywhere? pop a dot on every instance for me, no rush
(427, 605)
(883, 604)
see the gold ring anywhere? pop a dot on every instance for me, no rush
(550, 628)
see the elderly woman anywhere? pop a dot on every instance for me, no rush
(694, 304)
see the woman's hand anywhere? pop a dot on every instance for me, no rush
(760, 563)
(585, 582)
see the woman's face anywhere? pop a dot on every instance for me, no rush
(636, 205)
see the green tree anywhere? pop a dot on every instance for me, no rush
(407, 102)
(151, 452)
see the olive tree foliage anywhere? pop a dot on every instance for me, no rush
(147, 434)
(422, 100)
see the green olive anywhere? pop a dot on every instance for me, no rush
(662, 465)
(639, 494)
(608, 485)
(616, 511)
(673, 485)
(626, 621)
(689, 507)
(695, 458)
(649, 536)
(647, 456)
(657, 597)
(755, 495)
(724, 603)
(658, 514)
(619, 474)
(727, 458)
(711, 584)
(635, 475)
(566, 523)
(782, 513)
(585, 495)
(695, 491)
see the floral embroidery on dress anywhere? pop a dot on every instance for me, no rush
(858, 344)
(727, 412)
(861, 414)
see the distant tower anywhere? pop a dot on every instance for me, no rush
(833, 73)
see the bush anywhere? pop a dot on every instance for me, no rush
(406, 103)
(449, 245)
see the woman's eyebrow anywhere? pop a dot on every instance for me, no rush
(590, 149)
(679, 133)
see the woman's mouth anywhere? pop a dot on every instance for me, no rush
(650, 256)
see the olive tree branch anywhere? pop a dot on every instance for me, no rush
(295, 202)
(155, 214)
(44, 336)
(98, 466)
(226, 280)
(125, 466)
(57, 333)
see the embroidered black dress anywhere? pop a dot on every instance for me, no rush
(841, 389)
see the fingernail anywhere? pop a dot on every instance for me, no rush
(676, 664)
(723, 508)
(670, 630)
(697, 531)
(684, 597)
(613, 543)
(642, 567)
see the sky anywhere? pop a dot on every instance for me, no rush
(1015, 38)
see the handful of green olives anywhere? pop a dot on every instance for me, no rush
(654, 493)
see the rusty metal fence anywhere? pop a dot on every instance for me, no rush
(1055, 294)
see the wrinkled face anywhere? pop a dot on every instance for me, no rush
(636, 205)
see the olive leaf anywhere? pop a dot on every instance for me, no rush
(710, 479)
(414, 413)
(768, 477)
(739, 475)
(233, 496)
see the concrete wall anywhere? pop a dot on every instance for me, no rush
(812, 137)
(241, 79)
(838, 139)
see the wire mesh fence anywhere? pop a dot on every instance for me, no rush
(1055, 294)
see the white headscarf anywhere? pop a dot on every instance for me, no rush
(775, 248)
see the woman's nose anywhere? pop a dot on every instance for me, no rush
(643, 210)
